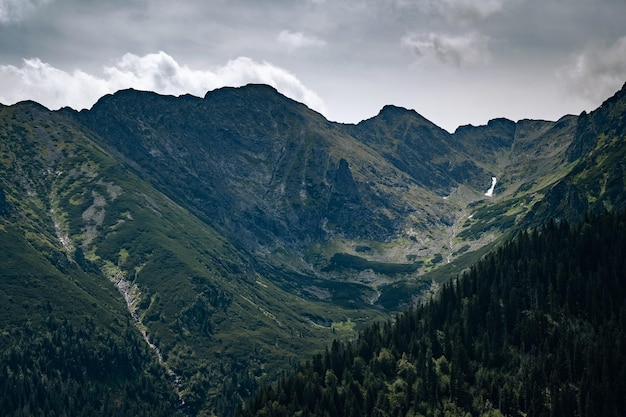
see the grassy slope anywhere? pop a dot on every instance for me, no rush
(64, 328)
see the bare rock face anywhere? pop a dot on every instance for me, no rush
(263, 169)
(350, 210)
(269, 173)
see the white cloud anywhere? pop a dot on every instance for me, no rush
(16, 10)
(461, 51)
(54, 88)
(244, 70)
(159, 72)
(598, 71)
(298, 40)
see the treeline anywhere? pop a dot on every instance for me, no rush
(63, 370)
(536, 328)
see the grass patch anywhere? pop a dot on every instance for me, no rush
(347, 326)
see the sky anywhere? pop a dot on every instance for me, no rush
(456, 62)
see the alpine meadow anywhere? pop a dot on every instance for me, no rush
(238, 254)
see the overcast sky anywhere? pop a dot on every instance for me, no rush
(455, 62)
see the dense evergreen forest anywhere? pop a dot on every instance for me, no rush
(64, 370)
(536, 328)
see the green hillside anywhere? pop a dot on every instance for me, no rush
(67, 346)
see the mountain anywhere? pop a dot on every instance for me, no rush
(214, 319)
(218, 241)
(296, 191)
(535, 328)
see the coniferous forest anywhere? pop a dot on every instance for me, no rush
(68, 370)
(537, 328)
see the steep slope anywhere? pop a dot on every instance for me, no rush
(536, 328)
(525, 158)
(519, 153)
(253, 155)
(597, 180)
(66, 344)
(212, 317)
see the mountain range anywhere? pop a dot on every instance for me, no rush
(202, 246)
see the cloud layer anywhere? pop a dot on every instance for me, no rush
(159, 72)
(298, 40)
(469, 11)
(465, 50)
(16, 10)
(598, 71)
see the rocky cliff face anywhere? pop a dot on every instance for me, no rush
(264, 170)
(271, 174)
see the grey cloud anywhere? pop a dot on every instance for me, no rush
(16, 10)
(469, 11)
(465, 50)
(298, 40)
(598, 71)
